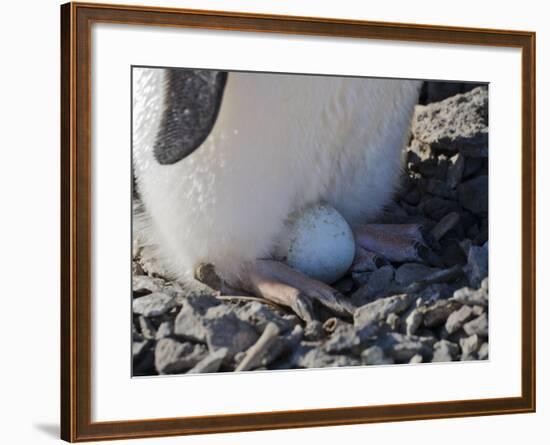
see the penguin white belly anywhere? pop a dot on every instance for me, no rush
(279, 143)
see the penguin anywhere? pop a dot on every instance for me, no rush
(221, 159)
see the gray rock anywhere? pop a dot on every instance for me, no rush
(477, 310)
(165, 329)
(342, 339)
(479, 326)
(466, 295)
(410, 272)
(154, 304)
(147, 328)
(139, 348)
(225, 330)
(136, 269)
(375, 356)
(445, 351)
(311, 355)
(417, 358)
(446, 224)
(413, 321)
(393, 321)
(478, 264)
(190, 321)
(173, 357)
(438, 312)
(210, 363)
(473, 195)
(260, 314)
(368, 316)
(469, 346)
(436, 208)
(376, 282)
(483, 352)
(145, 284)
(457, 318)
(441, 189)
(462, 115)
(286, 344)
(402, 347)
(455, 170)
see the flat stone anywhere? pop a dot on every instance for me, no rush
(260, 314)
(446, 224)
(376, 282)
(139, 348)
(210, 363)
(483, 352)
(173, 357)
(342, 339)
(146, 284)
(189, 322)
(147, 328)
(438, 312)
(466, 295)
(473, 195)
(225, 330)
(311, 355)
(366, 317)
(375, 356)
(455, 170)
(165, 329)
(445, 351)
(436, 208)
(457, 319)
(410, 272)
(154, 304)
(478, 326)
(478, 264)
(469, 346)
(403, 347)
(413, 321)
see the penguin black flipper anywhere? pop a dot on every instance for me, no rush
(192, 102)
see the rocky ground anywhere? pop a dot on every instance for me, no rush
(430, 311)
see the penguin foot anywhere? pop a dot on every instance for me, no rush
(394, 242)
(277, 282)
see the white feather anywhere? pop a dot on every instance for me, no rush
(280, 142)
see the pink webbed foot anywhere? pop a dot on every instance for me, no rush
(394, 242)
(277, 282)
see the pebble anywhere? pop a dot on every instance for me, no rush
(473, 195)
(445, 351)
(366, 317)
(469, 346)
(438, 312)
(173, 357)
(154, 304)
(375, 356)
(483, 353)
(410, 272)
(478, 264)
(342, 339)
(478, 326)
(413, 321)
(456, 319)
(210, 363)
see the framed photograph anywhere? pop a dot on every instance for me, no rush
(277, 222)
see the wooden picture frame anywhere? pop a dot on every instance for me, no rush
(76, 221)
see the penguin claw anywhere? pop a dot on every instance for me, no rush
(283, 285)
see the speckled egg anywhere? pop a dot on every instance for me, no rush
(320, 243)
